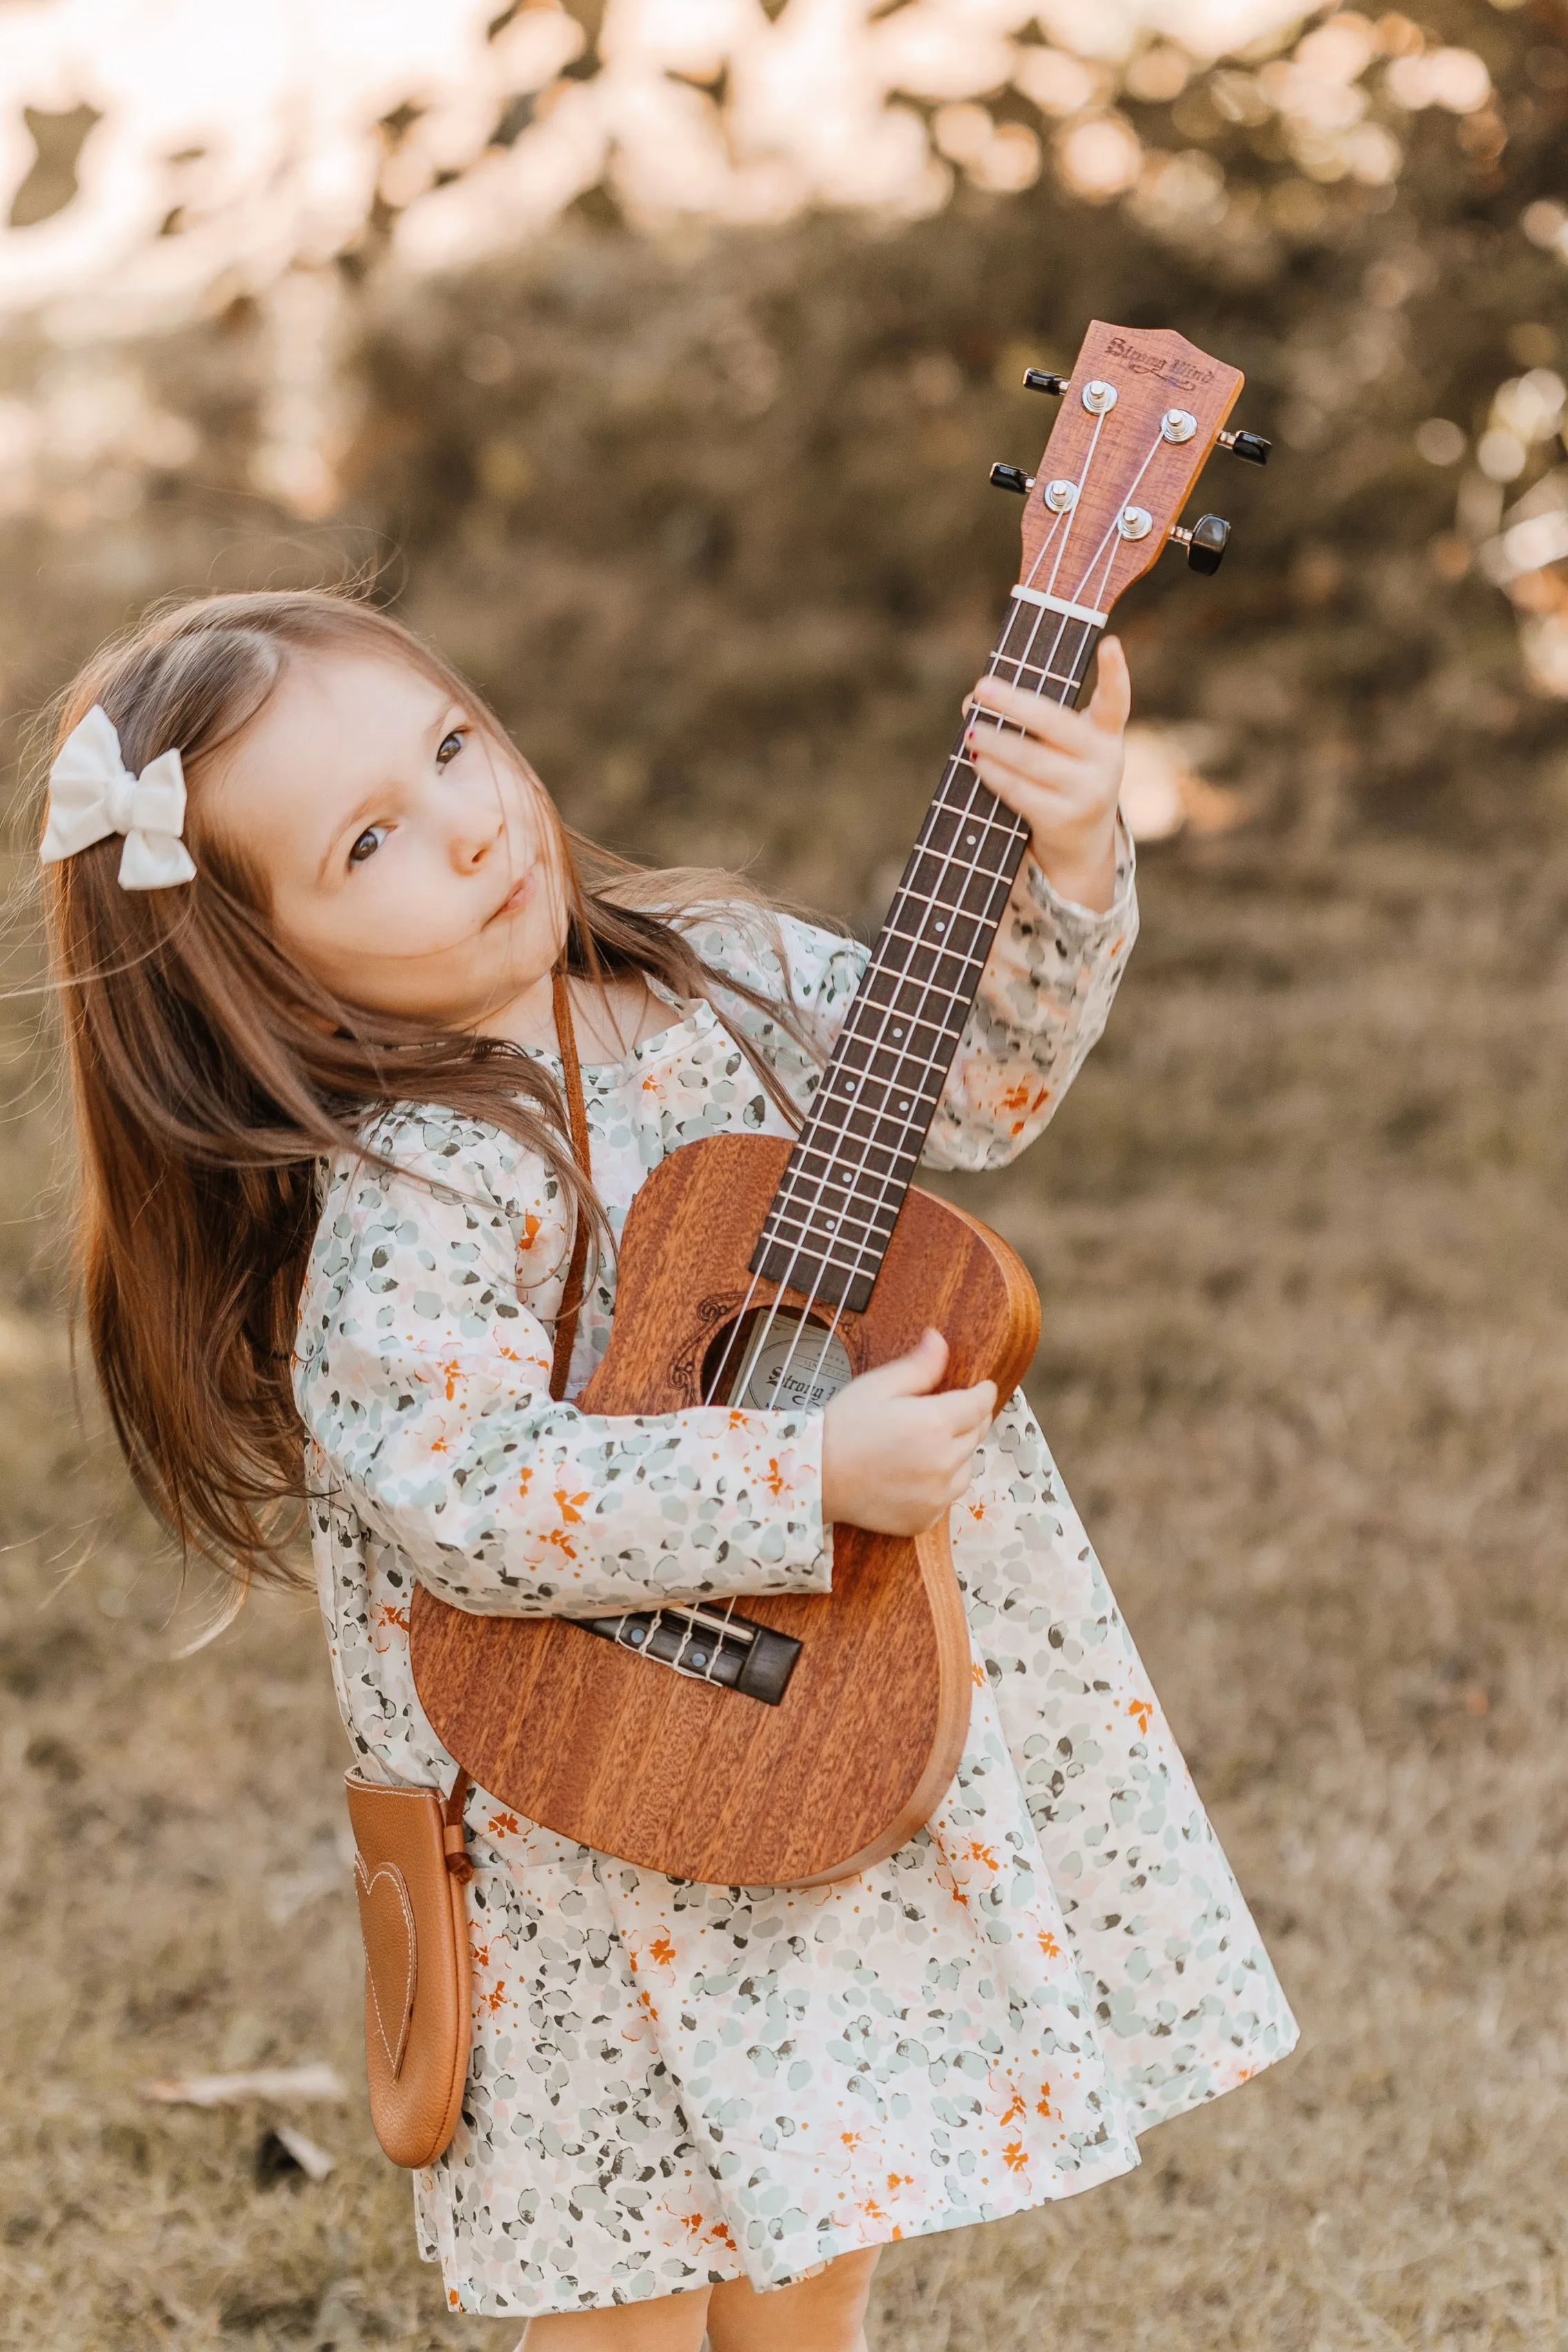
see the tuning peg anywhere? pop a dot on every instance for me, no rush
(1205, 542)
(1012, 477)
(1250, 445)
(1038, 380)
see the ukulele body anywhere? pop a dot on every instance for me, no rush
(680, 1774)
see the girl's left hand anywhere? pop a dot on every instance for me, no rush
(1061, 770)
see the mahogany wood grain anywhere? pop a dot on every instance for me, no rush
(1152, 369)
(668, 1772)
(595, 1742)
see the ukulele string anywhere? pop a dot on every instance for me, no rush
(921, 939)
(1019, 662)
(708, 1670)
(790, 1190)
(847, 1182)
(915, 1019)
(946, 858)
(1063, 522)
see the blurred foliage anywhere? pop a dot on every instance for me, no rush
(706, 512)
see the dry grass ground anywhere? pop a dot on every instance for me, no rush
(1300, 1242)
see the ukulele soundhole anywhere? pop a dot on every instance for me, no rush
(786, 1363)
(710, 1645)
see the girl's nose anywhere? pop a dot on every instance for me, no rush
(474, 835)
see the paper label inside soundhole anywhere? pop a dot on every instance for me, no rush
(793, 1367)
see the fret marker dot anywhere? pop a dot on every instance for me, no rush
(903, 1106)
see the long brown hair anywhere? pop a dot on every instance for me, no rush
(211, 1074)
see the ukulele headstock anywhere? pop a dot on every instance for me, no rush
(1141, 413)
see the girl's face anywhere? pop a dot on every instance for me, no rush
(409, 859)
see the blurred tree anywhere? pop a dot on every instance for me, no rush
(706, 513)
(703, 507)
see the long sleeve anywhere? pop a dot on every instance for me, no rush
(422, 1376)
(1049, 984)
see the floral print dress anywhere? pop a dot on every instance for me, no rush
(674, 2084)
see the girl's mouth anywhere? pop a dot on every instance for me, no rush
(515, 896)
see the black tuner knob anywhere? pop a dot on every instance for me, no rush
(1207, 543)
(1250, 445)
(1038, 380)
(1012, 477)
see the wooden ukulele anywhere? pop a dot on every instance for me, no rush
(778, 1740)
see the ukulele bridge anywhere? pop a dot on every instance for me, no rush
(707, 1647)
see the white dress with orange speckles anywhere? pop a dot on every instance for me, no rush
(674, 2084)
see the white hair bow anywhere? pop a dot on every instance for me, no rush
(92, 793)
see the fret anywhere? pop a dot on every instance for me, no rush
(867, 1076)
(859, 1122)
(868, 1186)
(835, 1171)
(948, 863)
(909, 1118)
(878, 1060)
(954, 910)
(943, 936)
(1036, 611)
(820, 1170)
(965, 871)
(861, 1085)
(790, 1263)
(1047, 676)
(875, 972)
(864, 1124)
(938, 947)
(832, 1216)
(880, 1222)
(963, 874)
(971, 827)
(975, 820)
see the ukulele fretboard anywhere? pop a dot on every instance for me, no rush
(833, 1215)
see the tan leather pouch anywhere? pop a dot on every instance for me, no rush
(409, 1873)
(410, 1864)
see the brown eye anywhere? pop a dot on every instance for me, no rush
(450, 747)
(367, 845)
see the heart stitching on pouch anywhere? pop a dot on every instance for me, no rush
(392, 1958)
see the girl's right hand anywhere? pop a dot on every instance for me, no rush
(894, 1456)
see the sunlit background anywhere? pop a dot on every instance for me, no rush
(160, 159)
(650, 357)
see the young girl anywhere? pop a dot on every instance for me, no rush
(327, 1209)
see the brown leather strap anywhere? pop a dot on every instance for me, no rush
(576, 1113)
(458, 1860)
